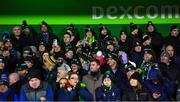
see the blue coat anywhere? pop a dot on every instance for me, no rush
(164, 87)
(113, 94)
(8, 96)
(74, 95)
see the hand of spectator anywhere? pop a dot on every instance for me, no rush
(43, 99)
(79, 43)
(156, 95)
(80, 85)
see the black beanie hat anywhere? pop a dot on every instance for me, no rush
(59, 54)
(76, 62)
(137, 43)
(27, 48)
(113, 56)
(150, 23)
(21, 67)
(136, 76)
(101, 27)
(34, 74)
(148, 51)
(44, 23)
(173, 27)
(123, 32)
(88, 28)
(133, 26)
(24, 25)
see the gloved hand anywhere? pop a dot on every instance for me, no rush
(69, 87)
(43, 99)
(80, 85)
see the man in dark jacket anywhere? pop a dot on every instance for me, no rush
(17, 38)
(10, 62)
(156, 37)
(76, 67)
(136, 35)
(45, 36)
(135, 54)
(22, 71)
(28, 33)
(118, 72)
(8, 44)
(104, 35)
(174, 39)
(15, 83)
(66, 42)
(173, 56)
(169, 69)
(30, 63)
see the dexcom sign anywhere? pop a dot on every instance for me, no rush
(137, 12)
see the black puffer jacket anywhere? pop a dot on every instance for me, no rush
(139, 95)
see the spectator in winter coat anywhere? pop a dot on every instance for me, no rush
(156, 37)
(74, 90)
(8, 44)
(173, 56)
(45, 36)
(22, 71)
(148, 61)
(76, 67)
(136, 35)
(136, 53)
(104, 34)
(6, 94)
(28, 33)
(94, 78)
(107, 91)
(74, 33)
(123, 42)
(66, 42)
(161, 89)
(36, 89)
(174, 39)
(15, 83)
(168, 67)
(136, 90)
(118, 72)
(18, 41)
